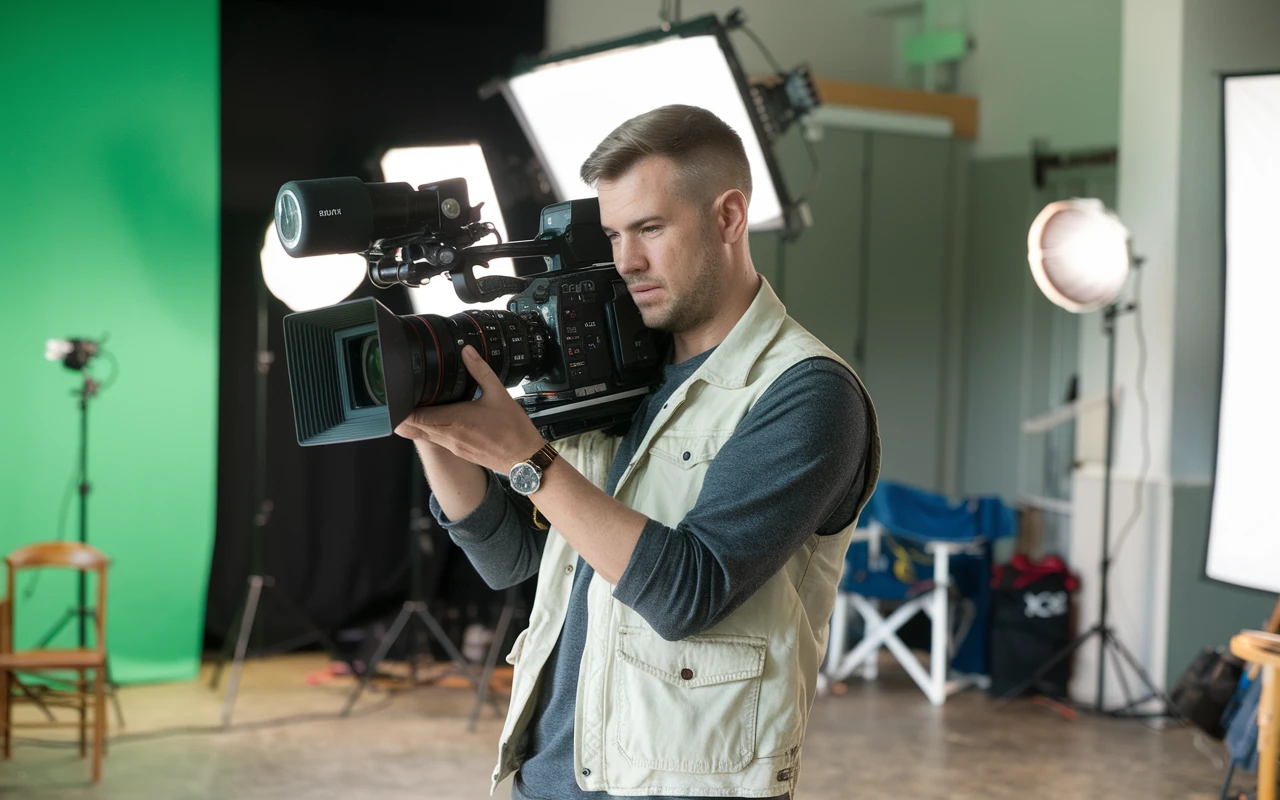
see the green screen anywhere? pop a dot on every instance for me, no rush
(109, 224)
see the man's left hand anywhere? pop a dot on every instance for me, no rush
(492, 431)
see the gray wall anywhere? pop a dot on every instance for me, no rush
(1044, 70)
(877, 279)
(1202, 611)
(1020, 349)
(1000, 196)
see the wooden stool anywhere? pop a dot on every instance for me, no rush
(1263, 649)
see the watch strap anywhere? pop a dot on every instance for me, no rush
(543, 458)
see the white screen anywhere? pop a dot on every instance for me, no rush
(1244, 537)
(569, 108)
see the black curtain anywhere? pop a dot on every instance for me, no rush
(321, 89)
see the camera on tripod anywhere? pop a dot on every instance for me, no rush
(572, 335)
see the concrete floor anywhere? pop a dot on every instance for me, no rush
(879, 740)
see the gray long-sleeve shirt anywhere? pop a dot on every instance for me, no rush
(795, 466)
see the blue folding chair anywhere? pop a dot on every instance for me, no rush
(901, 530)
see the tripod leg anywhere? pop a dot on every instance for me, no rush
(296, 610)
(1170, 708)
(1112, 646)
(490, 662)
(384, 647)
(70, 614)
(115, 693)
(242, 645)
(229, 642)
(34, 698)
(454, 654)
(1226, 782)
(1017, 691)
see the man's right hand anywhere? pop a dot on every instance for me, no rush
(458, 485)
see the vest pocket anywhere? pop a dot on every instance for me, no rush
(687, 451)
(687, 706)
(517, 647)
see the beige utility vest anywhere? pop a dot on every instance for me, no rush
(722, 713)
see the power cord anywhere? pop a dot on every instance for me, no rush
(815, 174)
(1145, 409)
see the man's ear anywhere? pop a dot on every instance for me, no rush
(731, 216)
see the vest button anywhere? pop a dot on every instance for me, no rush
(586, 773)
(687, 674)
(686, 455)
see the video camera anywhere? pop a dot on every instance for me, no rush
(572, 334)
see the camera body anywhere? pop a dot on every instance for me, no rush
(600, 345)
(572, 335)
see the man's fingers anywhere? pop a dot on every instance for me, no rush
(481, 371)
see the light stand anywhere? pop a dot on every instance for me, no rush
(416, 607)
(1107, 639)
(246, 615)
(88, 389)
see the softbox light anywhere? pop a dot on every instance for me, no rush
(1244, 548)
(569, 102)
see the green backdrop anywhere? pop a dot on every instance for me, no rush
(109, 224)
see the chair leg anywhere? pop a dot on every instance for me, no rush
(6, 711)
(1268, 734)
(99, 720)
(84, 710)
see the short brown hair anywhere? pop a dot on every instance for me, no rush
(707, 153)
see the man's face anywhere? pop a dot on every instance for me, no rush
(668, 253)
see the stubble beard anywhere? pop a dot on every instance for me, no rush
(696, 305)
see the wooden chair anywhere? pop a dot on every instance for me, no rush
(81, 558)
(1263, 649)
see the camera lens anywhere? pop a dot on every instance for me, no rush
(356, 370)
(514, 345)
(288, 218)
(371, 368)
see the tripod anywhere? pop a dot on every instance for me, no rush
(88, 389)
(246, 617)
(416, 607)
(1108, 642)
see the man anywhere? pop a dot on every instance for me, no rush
(687, 580)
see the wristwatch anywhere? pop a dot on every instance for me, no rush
(526, 477)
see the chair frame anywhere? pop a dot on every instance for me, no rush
(56, 555)
(937, 682)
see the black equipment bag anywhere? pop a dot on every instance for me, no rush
(1206, 687)
(1031, 622)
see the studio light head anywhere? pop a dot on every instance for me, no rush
(74, 354)
(1078, 251)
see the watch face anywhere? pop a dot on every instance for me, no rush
(525, 478)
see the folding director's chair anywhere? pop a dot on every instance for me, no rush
(898, 524)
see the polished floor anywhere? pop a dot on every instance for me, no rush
(879, 740)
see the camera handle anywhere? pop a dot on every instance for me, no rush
(421, 261)
(473, 290)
